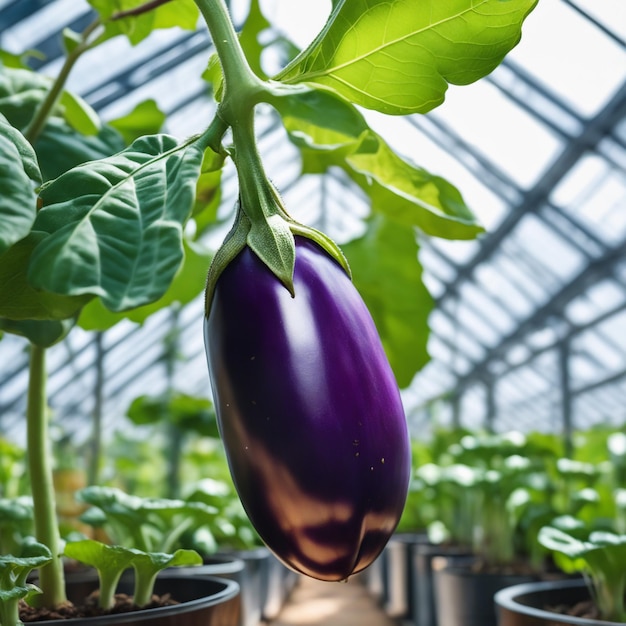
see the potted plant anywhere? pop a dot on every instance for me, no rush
(490, 474)
(597, 599)
(93, 215)
(590, 543)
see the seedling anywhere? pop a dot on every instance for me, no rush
(13, 574)
(601, 557)
(112, 561)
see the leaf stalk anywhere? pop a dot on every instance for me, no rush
(37, 124)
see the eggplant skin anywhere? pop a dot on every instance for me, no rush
(309, 412)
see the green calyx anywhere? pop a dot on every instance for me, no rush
(261, 223)
(272, 240)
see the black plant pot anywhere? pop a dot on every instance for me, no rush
(230, 568)
(424, 608)
(399, 574)
(254, 582)
(373, 577)
(465, 597)
(204, 601)
(280, 582)
(524, 605)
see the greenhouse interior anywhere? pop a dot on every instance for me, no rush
(468, 157)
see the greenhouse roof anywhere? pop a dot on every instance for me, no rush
(529, 325)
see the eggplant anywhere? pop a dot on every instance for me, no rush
(309, 412)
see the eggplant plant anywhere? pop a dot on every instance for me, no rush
(93, 218)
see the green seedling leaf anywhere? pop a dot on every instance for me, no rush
(145, 119)
(109, 561)
(182, 14)
(149, 524)
(398, 57)
(388, 276)
(18, 170)
(189, 413)
(9, 601)
(115, 225)
(331, 132)
(601, 556)
(13, 574)
(148, 565)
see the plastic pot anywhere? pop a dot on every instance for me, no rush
(424, 609)
(254, 582)
(399, 581)
(523, 605)
(465, 597)
(204, 601)
(280, 581)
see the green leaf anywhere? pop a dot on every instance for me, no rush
(145, 119)
(60, 146)
(79, 114)
(182, 13)
(115, 225)
(71, 40)
(187, 285)
(18, 201)
(398, 56)
(19, 300)
(387, 273)
(109, 561)
(331, 132)
(41, 333)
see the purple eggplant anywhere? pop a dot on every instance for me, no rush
(309, 412)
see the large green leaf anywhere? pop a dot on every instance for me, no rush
(387, 273)
(182, 13)
(59, 147)
(187, 285)
(42, 333)
(18, 170)
(331, 132)
(115, 225)
(18, 299)
(398, 56)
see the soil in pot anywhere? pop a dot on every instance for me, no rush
(180, 601)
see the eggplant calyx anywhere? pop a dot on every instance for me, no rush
(234, 242)
(270, 239)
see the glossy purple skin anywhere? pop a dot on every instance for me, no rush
(309, 412)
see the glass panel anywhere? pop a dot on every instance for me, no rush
(565, 51)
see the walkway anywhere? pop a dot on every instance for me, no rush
(316, 603)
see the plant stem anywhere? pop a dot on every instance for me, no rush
(144, 586)
(243, 89)
(37, 124)
(52, 580)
